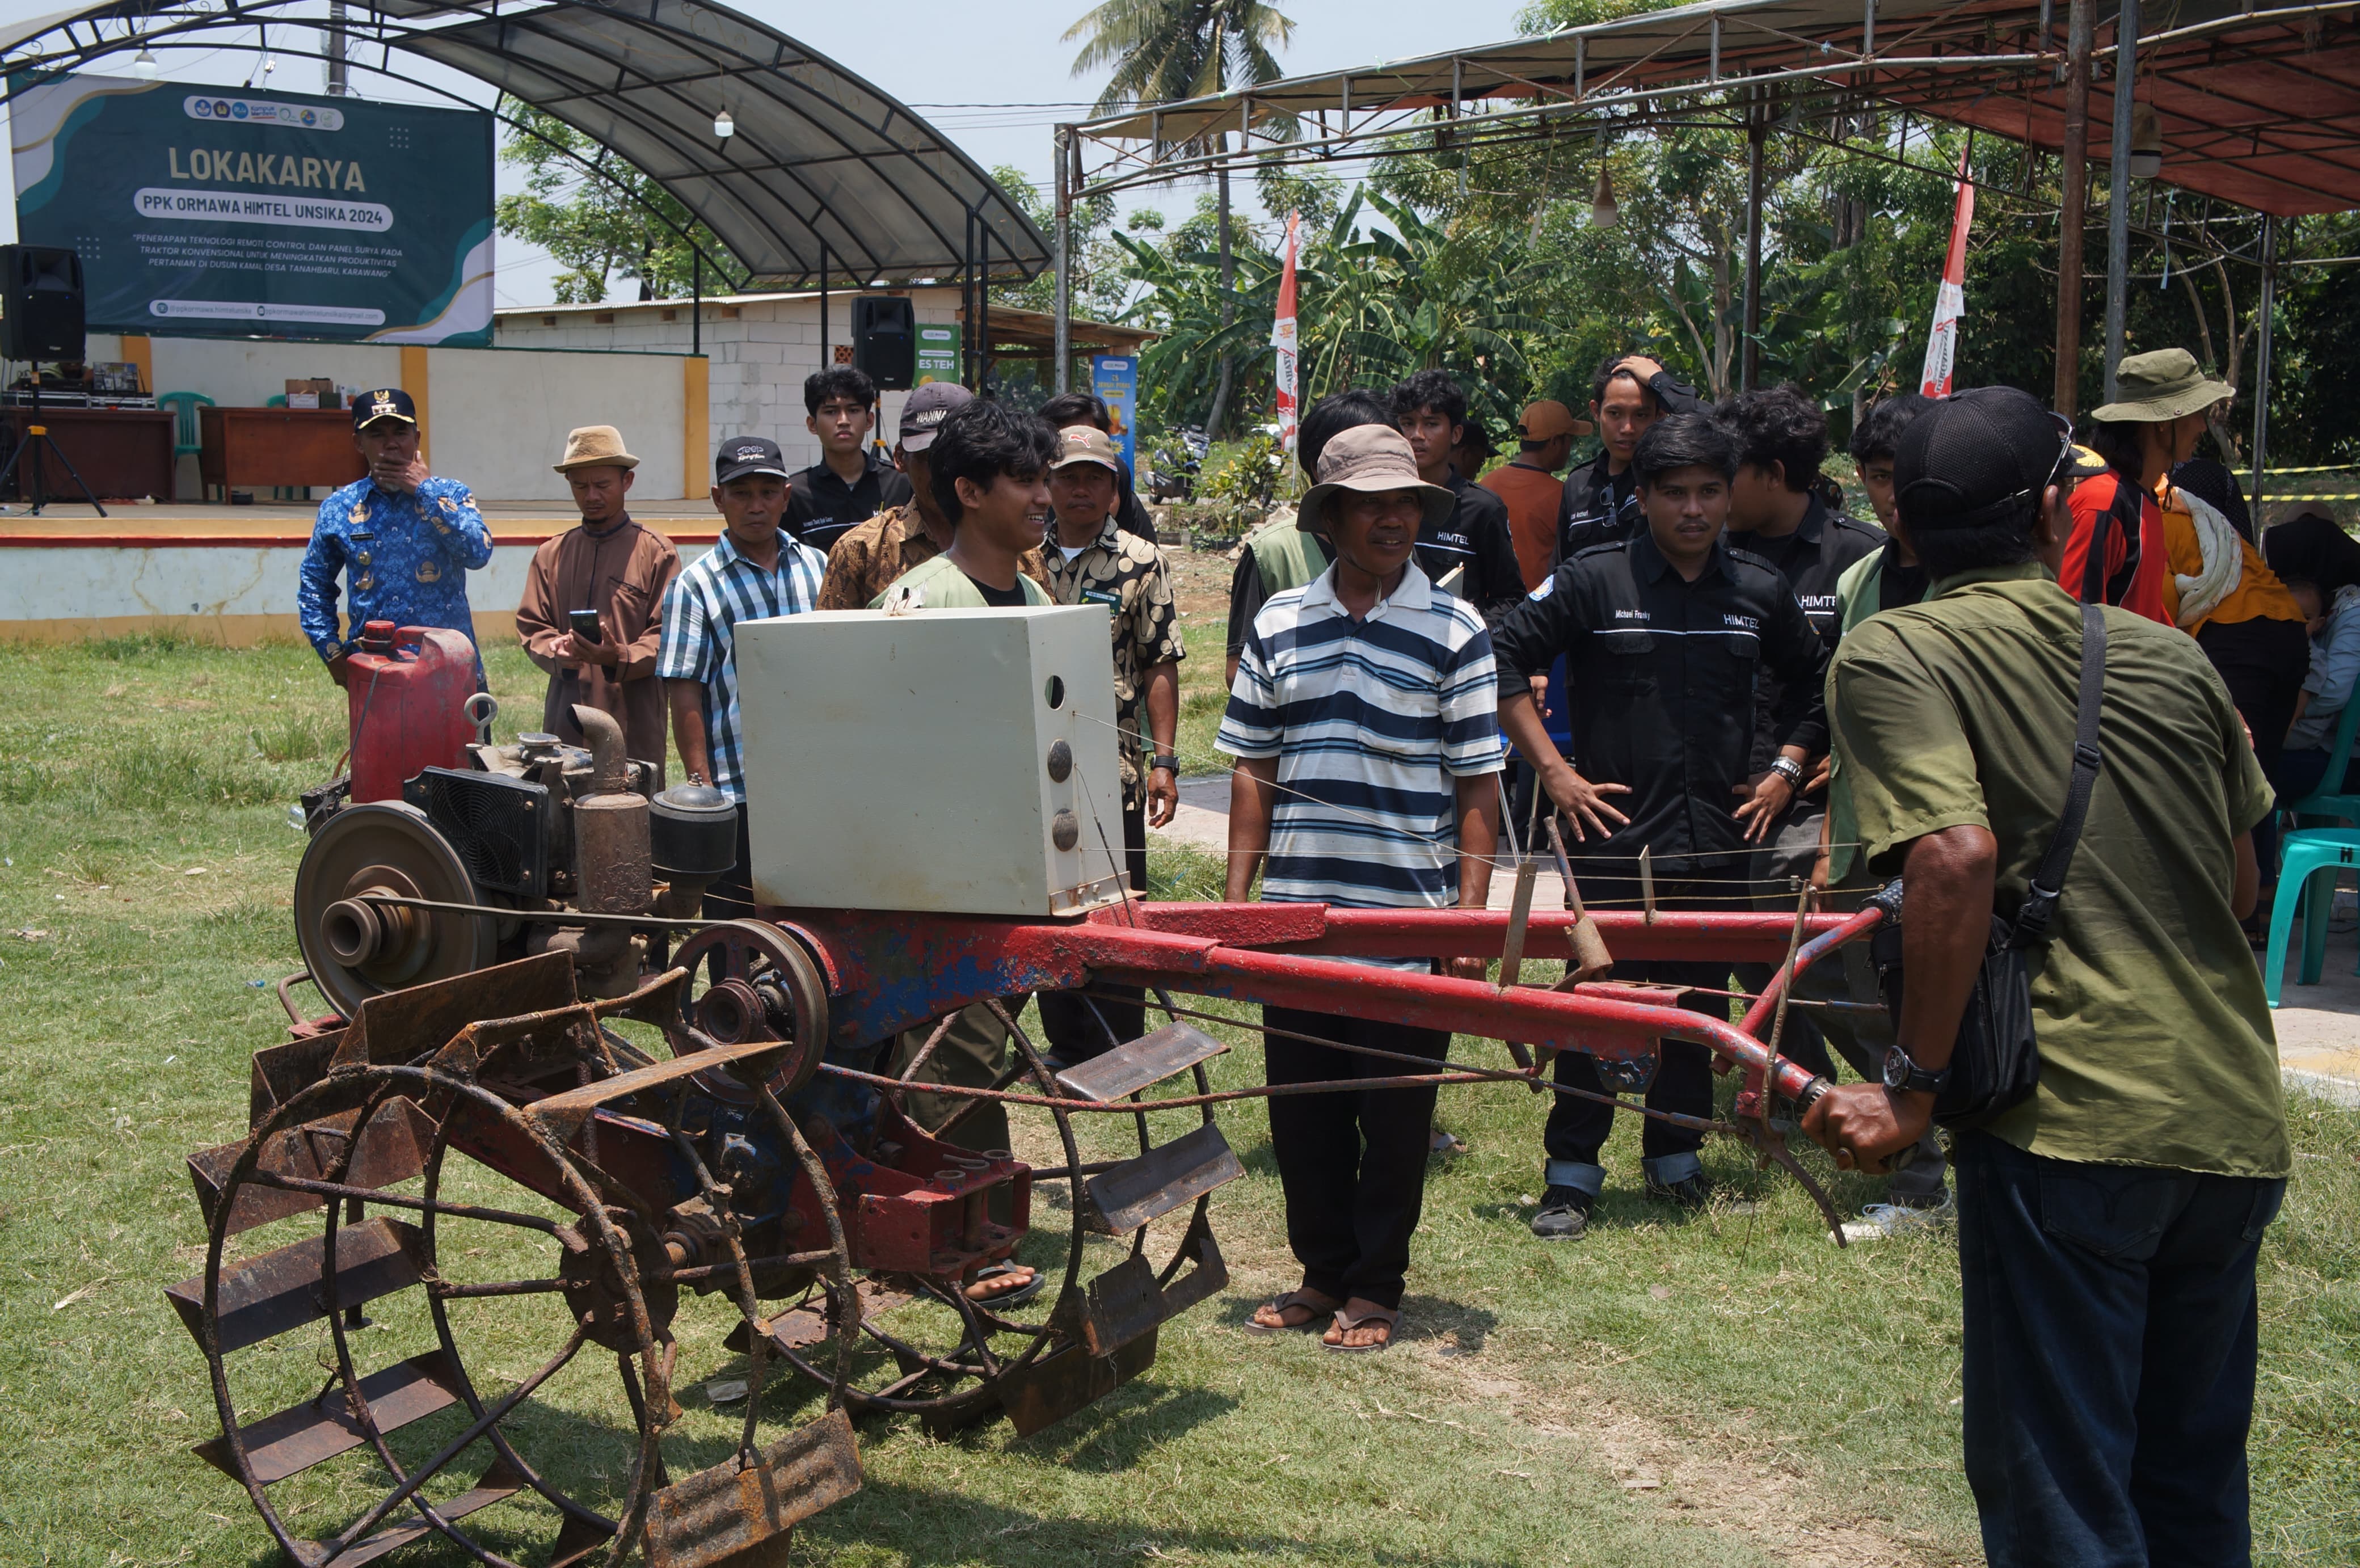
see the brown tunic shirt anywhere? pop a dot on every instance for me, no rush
(865, 561)
(621, 573)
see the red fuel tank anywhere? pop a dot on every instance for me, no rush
(409, 692)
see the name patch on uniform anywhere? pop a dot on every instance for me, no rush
(1743, 623)
(1633, 615)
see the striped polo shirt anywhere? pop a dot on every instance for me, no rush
(1372, 721)
(701, 613)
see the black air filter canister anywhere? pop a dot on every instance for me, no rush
(692, 834)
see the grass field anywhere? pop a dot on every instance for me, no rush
(1726, 1388)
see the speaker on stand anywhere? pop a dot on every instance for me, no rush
(40, 318)
(885, 341)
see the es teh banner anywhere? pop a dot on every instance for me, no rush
(220, 213)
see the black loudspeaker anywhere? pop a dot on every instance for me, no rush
(885, 341)
(41, 303)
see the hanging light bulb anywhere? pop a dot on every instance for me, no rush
(724, 126)
(2146, 142)
(143, 65)
(1603, 213)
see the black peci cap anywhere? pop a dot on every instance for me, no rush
(742, 455)
(1969, 460)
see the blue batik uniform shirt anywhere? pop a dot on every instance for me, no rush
(1374, 721)
(404, 559)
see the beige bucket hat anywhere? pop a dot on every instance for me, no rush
(1370, 459)
(596, 446)
(2167, 383)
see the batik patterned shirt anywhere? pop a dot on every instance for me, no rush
(1128, 575)
(404, 559)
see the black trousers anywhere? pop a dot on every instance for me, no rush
(1352, 1163)
(730, 897)
(2110, 1325)
(1074, 1029)
(1683, 1083)
(2263, 663)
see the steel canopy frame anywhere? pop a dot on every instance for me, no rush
(827, 178)
(2258, 101)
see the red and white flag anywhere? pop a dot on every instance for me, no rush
(1282, 335)
(1950, 298)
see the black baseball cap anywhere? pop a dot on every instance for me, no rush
(928, 406)
(386, 403)
(742, 455)
(1970, 459)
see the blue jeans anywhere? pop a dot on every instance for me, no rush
(2110, 1341)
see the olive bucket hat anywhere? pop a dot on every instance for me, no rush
(2165, 385)
(1372, 459)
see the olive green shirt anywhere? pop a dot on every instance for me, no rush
(2155, 1038)
(939, 584)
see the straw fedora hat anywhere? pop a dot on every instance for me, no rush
(2167, 383)
(596, 446)
(1370, 459)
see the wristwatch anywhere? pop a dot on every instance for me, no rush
(1903, 1075)
(1790, 769)
(1164, 764)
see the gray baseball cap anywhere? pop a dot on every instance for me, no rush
(928, 406)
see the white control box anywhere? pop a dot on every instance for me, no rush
(951, 761)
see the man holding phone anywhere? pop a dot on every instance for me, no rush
(403, 540)
(592, 614)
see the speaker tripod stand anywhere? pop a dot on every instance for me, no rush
(37, 439)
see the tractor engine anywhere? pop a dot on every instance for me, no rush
(434, 814)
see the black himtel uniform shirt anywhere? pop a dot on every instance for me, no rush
(1602, 507)
(1476, 537)
(1661, 672)
(1822, 548)
(822, 508)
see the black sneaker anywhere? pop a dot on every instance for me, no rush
(1689, 1192)
(1565, 1214)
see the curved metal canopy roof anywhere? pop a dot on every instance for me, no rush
(827, 176)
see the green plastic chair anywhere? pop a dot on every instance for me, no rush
(2310, 861)
(188, 436)
(2307, 852)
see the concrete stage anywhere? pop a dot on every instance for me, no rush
(228, 573)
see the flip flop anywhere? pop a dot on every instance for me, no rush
(1020, 1295)
(1347, 1321)
(1311, 1301)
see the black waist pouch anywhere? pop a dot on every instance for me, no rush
(1995, 1062)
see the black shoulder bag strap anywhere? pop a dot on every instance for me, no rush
(2048, 876)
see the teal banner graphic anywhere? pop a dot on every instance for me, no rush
(220, 213)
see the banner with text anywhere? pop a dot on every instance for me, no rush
(223, 215)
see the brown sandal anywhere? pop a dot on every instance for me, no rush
(1311, 1301)
(1346, 1320)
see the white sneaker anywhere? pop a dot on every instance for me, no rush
(1878, 1220)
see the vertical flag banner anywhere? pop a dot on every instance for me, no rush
(1282, 335)
(1115, 378)
(1950, 298)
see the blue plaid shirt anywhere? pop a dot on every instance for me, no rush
(701, 613)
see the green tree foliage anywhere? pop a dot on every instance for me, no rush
(600, 217)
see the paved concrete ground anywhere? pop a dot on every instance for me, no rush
(2318, 1026)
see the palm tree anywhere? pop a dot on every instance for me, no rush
(1164, 50)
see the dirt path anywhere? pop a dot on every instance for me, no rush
(1724, 1478)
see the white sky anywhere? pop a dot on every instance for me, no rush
(931, 54)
